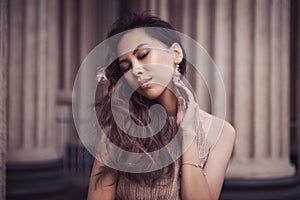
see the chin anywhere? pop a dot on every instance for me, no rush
(151, 95)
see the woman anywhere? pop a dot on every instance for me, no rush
(152, 63)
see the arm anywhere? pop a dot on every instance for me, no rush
(105, 188)
(218, 160)
(194, 183)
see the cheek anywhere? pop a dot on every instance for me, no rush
(163, 58)
(164, 75)
(165, 68)
(130, 80)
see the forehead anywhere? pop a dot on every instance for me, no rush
(135, 37)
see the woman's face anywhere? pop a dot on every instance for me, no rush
(148, 64)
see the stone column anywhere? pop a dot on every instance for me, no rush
(157, 7)
(71, 64)
(3, 96)
(32, 80)
(163, 8)
(285, 87)
(93, 30)
(261, 111)
(243, 80)
(298, 82)
(188, 29)
(261, 79)
(204, 37)
(223, 56)
(33, 61)
(93, 20)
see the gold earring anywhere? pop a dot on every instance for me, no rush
(177, 74)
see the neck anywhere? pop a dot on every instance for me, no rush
(169, 101)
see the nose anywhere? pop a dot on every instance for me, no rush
(137, 69)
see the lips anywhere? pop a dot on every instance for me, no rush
(144, 83)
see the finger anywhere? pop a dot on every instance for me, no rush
(185, 91)
(179, 110)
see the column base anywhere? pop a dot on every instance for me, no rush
(26, 180)
(260, 169)
(261, 189)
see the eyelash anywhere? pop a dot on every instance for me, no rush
(140, 56)
(143, 54)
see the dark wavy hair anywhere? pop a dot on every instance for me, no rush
(138, 105)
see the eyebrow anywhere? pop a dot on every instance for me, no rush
(133, 52)
(137, 48)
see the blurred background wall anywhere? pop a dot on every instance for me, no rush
(255, 44)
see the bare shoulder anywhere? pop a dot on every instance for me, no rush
(227, 136)
(217, 129)
(221, 138)
(228, 129)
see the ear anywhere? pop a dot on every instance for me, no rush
(177, 51)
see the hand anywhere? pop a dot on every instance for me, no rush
(188, 120)
(188, 116)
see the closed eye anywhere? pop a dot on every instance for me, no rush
(143, 53)
(124, 65)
